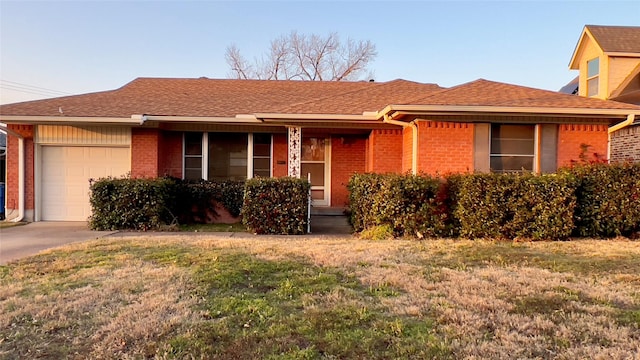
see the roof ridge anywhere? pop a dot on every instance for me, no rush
(445, 90)
(356, 91)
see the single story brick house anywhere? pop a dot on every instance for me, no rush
(238, 129)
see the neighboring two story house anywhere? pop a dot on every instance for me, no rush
(608, 61)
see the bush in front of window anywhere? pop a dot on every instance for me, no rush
(608, 199)
(410, 205)
(125, 203)
(482, 207)
(276, 205)
(196, 199)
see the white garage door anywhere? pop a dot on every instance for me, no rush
(66, 171)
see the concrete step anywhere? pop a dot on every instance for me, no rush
(330, 224)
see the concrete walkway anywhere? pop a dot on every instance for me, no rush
(21, 241)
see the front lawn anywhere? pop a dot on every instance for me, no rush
(302, 298)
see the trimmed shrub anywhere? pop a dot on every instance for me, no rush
(364, 197)
(276, 206)
(410, 204)
(608, 196)
(197, 198)
(542, 208)
(125, 203)
(144, 204)
(516, 205)
(482, 207)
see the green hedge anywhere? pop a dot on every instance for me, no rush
(125, 203)
(510, 206)
(276, 206)
(197, 198)
(144, 204)
(588, 200)
(410, 204)
(608, 199)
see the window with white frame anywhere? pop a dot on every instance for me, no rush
(192, 156)
(227, 156)
(512, 148)
(593, 75)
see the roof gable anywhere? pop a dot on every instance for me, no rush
(609, 39)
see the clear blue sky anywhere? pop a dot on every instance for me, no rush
(84, 46)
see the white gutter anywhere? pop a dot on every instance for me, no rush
(506, 109)
(630, 119)
(21, 176)
(370, 116)
(133, 120)
(389, 120)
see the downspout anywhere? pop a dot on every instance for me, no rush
(414, 150)
(20, 171)
(387, 119)
(414, 132)
(630, 119)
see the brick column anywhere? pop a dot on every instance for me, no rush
(144, 152)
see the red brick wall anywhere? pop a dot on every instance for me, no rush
(280, 154)
(12, 169)
(348, 155)
(144, 152)
(571, 136)
(170, 154)
(407, 149)
(445, 147)
(384, 151)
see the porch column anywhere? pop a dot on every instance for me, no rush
(295, 140)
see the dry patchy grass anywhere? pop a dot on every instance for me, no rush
(294, 298)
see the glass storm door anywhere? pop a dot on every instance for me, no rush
(315, 160)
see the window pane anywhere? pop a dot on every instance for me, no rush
(312, 149)
(509, 140)
(317, 194)
(511, 163)
(592, 87)
(262, 166)
(227, 156)
(261, 144)
(193, 143)
(193, 163)
(193, 174)
(317, 173)
(512, 146)
(512, 139)
(593, 67)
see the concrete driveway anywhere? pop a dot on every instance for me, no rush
(21, 241)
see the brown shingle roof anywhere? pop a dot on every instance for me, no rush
(489, 93)
(187, 97)
(228, 98)
(368, 99)
(616, 38)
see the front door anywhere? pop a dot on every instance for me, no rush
(316, 160)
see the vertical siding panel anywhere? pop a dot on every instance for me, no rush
(91, 135)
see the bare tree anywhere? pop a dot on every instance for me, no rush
(301, 57)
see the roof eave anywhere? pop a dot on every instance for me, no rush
(29, 119)
(364, 118)
(395, 111)
(573, 65)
